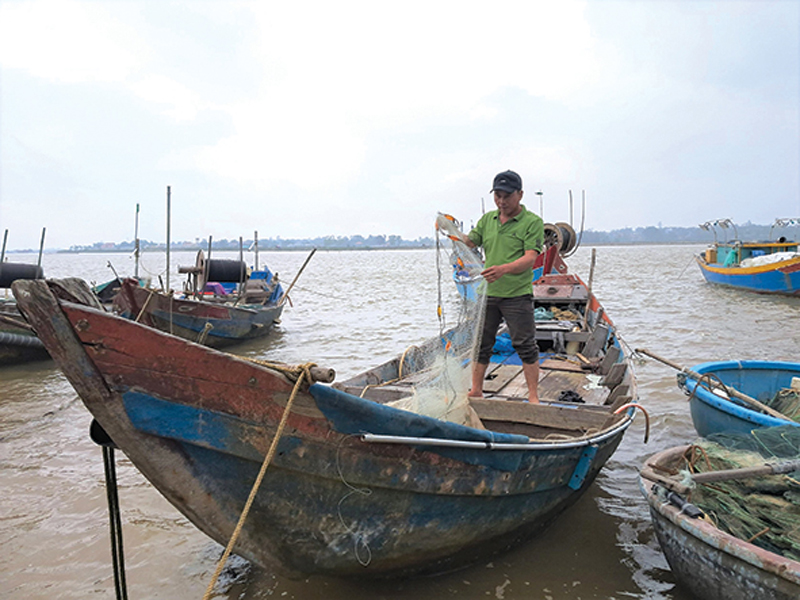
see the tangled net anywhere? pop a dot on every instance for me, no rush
(440, 389)
(763, 510)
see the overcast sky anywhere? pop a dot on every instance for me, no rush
(304, 119)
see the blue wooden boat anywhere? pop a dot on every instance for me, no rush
(707, 561)
(213, 314)
(357, 487)
(715, 411)
(770, 267)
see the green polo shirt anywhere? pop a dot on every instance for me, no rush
(505, 243)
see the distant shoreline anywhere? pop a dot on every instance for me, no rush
(320, 249)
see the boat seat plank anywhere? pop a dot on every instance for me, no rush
(615, 375)
(540, 415)
(597, 341)
(610, 359)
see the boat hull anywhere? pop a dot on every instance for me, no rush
(712, 564)
(758, 379)
(198, 424)
(213, 324)
(18, 344)
(776, 278)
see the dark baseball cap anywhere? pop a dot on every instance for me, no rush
(507, 181)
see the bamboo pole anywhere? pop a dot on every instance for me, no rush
(291, 285)
(41, 247)
(733, 392)
(169, 210)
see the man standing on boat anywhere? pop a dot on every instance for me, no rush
(512, 238)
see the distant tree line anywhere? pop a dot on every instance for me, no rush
(686, 235)
(628, 235)
(353, 242)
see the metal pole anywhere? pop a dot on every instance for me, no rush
(241, 261)
(570, 208)
(540, 193)
(136, 245)
(3, 254)
(255, 241)
(168, 236)
(41, 247)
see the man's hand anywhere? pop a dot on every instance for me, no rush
(494, 273)
(523, 263)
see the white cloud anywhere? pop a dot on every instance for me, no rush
(67, 42)
(332, 72)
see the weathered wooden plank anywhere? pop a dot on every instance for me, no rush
(615, 375)
(561, 365)
(542, 415)
(595, 344)
(620, 390)
(610, 359)
(558, 381)
(500, 377)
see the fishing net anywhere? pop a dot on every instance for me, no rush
(763, 510)
(440, 389)
(787, 402)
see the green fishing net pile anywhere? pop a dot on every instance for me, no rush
(763, 510)
(787, 402)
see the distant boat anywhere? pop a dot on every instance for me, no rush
(770, 267)
(773, 384)
(214, 319)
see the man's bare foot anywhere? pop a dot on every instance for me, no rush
(472, 394)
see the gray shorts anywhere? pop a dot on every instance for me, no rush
(518, 315)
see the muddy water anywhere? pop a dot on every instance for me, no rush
(352, 310)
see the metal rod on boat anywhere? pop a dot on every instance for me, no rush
(102, 439)
(41, 247)
(241, 261)
(570, 208)
(733, 392)
(3, 254)
(168, 236)
(255, 243)
(747, 472)
(291, 285)
(136, 245)
(589, 291)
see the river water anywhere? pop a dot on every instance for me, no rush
(351, 311)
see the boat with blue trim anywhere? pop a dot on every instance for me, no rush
(224, 303)
(714, 409)
(770, 267)
(357, 486)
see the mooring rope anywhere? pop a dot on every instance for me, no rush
(300, 371)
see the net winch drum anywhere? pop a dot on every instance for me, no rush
(561, 235)
(221, 271)
(10, 272)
